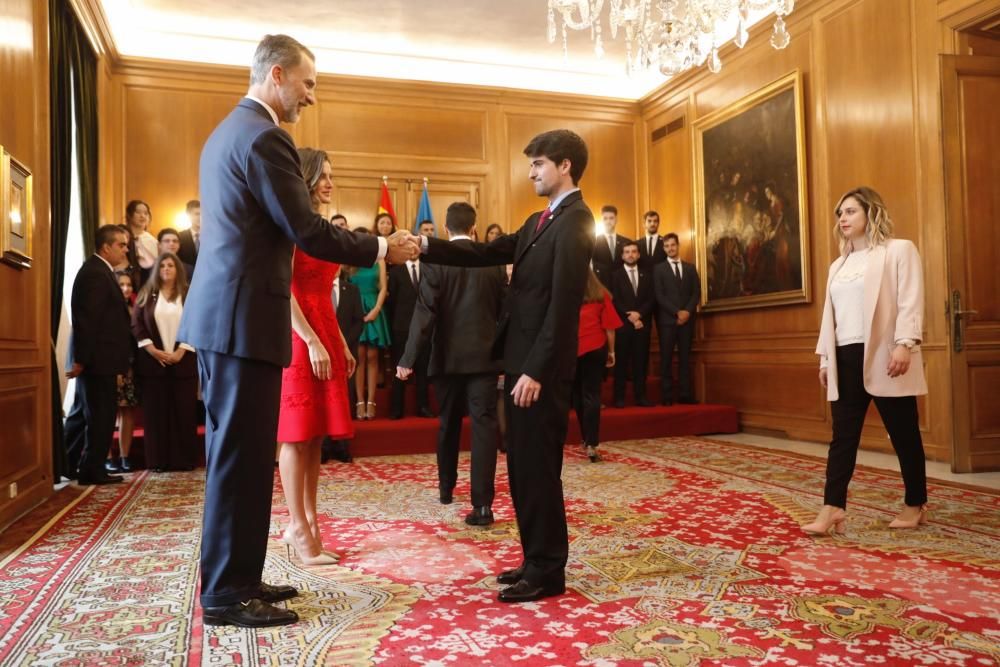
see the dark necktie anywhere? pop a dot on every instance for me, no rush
(650, 241)
(542, 219)
(677, 271)
(413, 275)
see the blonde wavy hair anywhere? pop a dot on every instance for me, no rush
(879, 228)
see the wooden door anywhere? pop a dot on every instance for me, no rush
(970, 98)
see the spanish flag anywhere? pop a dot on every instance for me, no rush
(385, 203)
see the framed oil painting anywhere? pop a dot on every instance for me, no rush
(16, 222)
(750, 200)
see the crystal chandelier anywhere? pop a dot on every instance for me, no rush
(686, 34)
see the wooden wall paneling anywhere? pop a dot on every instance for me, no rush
(669, 176)
(25, 440)
(442, 193)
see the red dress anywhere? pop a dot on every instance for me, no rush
(311, 407)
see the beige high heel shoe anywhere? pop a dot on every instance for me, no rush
(359, 409)
(834, 521)
(371, 409)
(911, 523)
(322, 558)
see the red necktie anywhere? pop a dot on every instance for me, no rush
(542, 219)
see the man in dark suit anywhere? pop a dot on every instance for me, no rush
(404, 283)
(632, 293)
(678, 291)
(457, 312)
(608, 246)
(191, 238)
(102, 348)
(256, 209)
(537, 338)
(651, 250)
(350, 319)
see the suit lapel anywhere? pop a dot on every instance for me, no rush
(873, 281)
(554, 218)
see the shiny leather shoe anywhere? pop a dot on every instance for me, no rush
(479, 516)
(272, 594)
(445, 497)
(253, 613)
(111, 466)
(525, 591)
(126, 464)
(509, 577)
(426, 413)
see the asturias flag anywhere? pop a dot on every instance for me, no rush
(424, 212)
(385, 203)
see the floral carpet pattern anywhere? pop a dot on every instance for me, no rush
(684, 551)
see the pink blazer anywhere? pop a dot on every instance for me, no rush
(894, 309)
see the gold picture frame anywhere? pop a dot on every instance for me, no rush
(16, 211)
(751, 210)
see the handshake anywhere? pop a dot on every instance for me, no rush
(402, 246)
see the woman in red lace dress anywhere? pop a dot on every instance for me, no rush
(314, 400)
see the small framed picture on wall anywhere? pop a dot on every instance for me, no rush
(16, 211)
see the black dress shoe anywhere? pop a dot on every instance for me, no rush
(644, 403)
(666, 402)
(253, 613)
(269, 593)
(525, 591)
(479, 516)
(87, 479)
(111, 466)
(445, 497)
(688, 401)
(619, 404)
(395, 417)
(426, 412)
(509, 577)
(126, 464)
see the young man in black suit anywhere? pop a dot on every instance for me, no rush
(191, 238)
(457, 313)
(651, 250)
(632, 293)
(678, 292)
(537, 339)
(404, 282)
(608, 246)
(101, 348)
(256, 209)
(350, 319)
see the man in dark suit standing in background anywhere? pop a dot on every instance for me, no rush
(678, 292)
(632, 293)
(651, 250)
(457, 312)
(350, 319)
(404, 283)
(608, 246)
(256, 209)
(537, 339)
(101, 348)
(190, 238)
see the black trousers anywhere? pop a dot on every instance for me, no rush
(632, 359)
(242, 398)
(587, 393)
(397, 403)
(477, 395)
(535, 437)
(99, 397)
(680, 336)
(170, 421)
(899, 415)
(75, 432)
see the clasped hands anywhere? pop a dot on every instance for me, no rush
(403, 246)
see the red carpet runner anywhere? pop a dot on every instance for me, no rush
(684, 551)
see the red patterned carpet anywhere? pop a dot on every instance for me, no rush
(685, 551)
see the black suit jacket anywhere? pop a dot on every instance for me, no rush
(188, 252)
(457, 312)
(646, 260)
(401, 300)
(604, 263)
(625, 299)
(102, 340)
(144, 327)
(255, 208)
(350, 314)
(537, 333)
(673, 295)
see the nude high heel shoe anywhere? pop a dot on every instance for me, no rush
(322, 558)
(360, 409)
(911, 523)
(371, 409)
(828, 521)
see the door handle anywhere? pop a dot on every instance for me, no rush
(958, 328)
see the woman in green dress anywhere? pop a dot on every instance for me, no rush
(371, 283)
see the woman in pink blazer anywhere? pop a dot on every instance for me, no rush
(869, 350)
